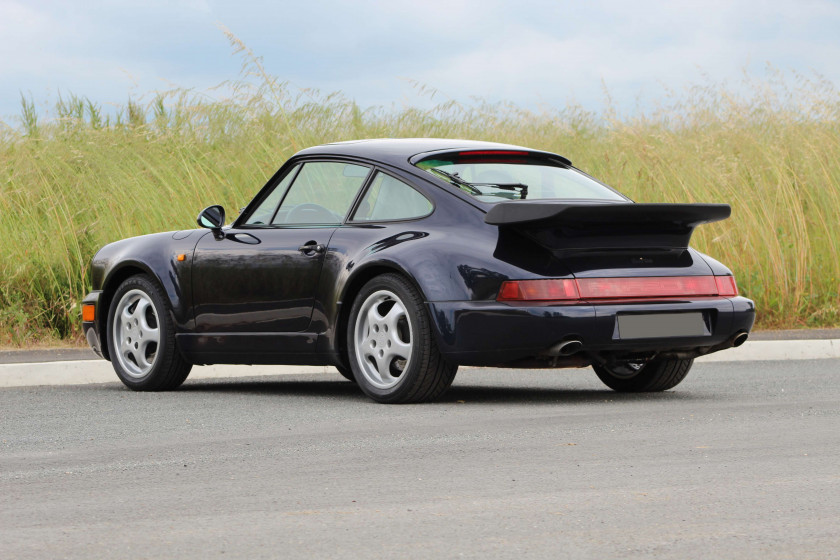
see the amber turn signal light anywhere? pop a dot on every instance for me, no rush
(182, 257)
(88, 313)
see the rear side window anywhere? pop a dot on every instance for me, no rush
(388, 198)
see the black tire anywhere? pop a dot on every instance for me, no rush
(653, 376)
(345, 373)
(425, 374)
(165, 368)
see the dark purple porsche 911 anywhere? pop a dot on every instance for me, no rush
(396, 261)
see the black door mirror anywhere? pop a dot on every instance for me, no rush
(212, 217)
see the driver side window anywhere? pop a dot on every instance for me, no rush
(265, 211)
(321, 193)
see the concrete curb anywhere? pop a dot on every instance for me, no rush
(47, 355)
(798, 334)
(775, 350)
(80, 369)
(83, 372)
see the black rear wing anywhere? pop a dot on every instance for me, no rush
(593, 224)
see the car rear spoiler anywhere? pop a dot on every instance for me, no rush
(596, 224)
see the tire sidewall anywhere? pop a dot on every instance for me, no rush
(408, 378)
(626, 384)
(145, 285)
(649, 378)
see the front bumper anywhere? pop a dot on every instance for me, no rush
(92, 328)
(490, 333)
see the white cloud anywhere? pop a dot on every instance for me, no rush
(528, 52)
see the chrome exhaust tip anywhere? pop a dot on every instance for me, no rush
(739, 339)
(569, 347)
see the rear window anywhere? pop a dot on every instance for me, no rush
(500, 176)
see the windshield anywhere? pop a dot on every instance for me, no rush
(498, 177)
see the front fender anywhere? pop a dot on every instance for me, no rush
(156, 255)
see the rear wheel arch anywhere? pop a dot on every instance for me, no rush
(352, 288)
(391, 346)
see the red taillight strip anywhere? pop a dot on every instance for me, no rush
(570, 290)
(726, 286)
(658, 286)
(539, 290)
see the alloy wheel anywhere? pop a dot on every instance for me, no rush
(136, 333)
(383, 339)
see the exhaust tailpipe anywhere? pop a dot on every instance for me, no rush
(567, 348)
(739, 339)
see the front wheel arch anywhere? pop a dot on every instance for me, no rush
(113, 282)
(166, 369)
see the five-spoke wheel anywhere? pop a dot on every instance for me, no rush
(383, 339)
(136, 333)
(141, 337)
(391, 347)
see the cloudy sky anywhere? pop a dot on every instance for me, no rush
(530, 52)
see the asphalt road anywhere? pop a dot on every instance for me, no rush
(740, 461)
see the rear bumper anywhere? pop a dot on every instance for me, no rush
(91, 328)
(490, 333)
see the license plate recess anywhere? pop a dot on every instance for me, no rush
(661, 325)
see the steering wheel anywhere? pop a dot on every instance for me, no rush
(310, 213)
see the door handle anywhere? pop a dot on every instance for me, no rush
(312, 247)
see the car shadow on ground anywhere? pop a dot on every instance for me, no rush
(328, 388)
(458, 394)
(557, 395)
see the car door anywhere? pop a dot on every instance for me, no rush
(262, 274)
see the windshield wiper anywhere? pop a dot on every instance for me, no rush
(457, 180)
(523, 188)
(473, 187)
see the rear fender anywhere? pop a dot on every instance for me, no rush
(442, 266)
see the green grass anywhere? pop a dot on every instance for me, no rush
(79, 179)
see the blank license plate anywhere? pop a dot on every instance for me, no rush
(661, 325)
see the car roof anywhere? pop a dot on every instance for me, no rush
(398, 151)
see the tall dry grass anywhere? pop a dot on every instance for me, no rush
(83, 178)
